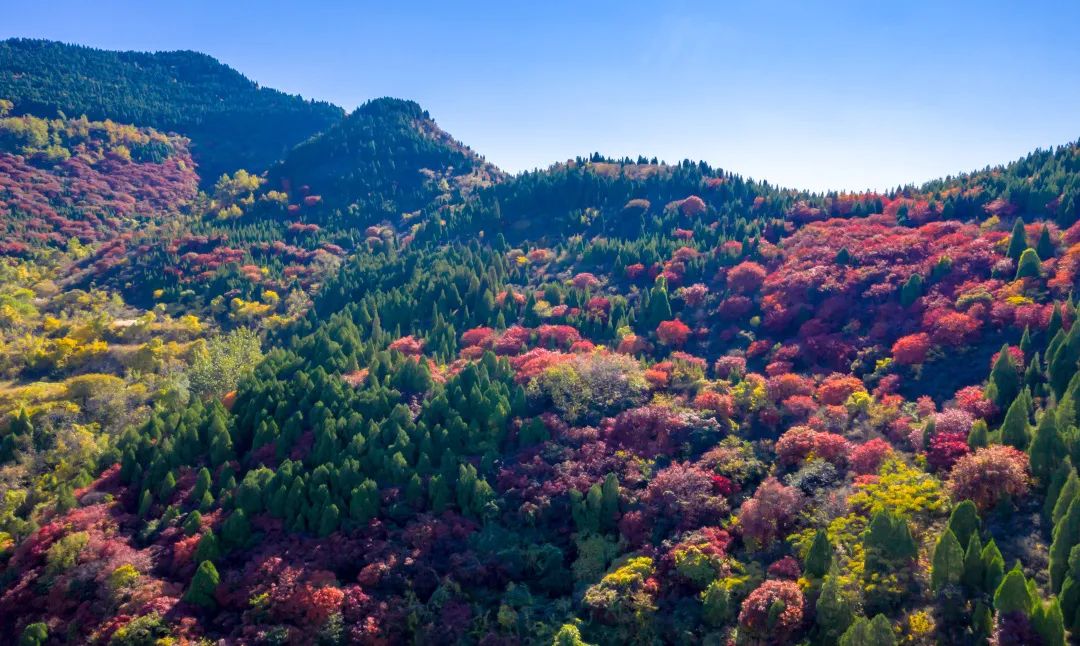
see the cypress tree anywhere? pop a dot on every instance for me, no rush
(979, 437)
(974, 573)
(912, 290)
(1045, 246)
(1069, 492)
(964, 521)
(1066, 535)
(203, 585)
(1006, 377)
(869, 632)
(1018, 240)
(993, 566)
(1012, 595)
(819, 557)
(1030, 266)
(1026, 342)
(1057, 485)
(1047, 450)
(1014, 430)
(948, 562)
(236, 530)
(834, 611)
(1049, 622)
(207, 549)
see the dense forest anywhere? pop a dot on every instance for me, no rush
(363, 387)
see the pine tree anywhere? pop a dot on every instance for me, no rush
(1018, 240)
(1069, 492)
(1026, 344)
(236, 530)
(1030, 265)
(948, 562)
(819, 557)
(203, 585)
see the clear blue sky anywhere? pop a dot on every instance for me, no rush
(844, 95)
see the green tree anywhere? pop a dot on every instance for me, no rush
(1005, 376)
(835, 611)
(1066, 534)
(993, 566)
(1013, 594)
(964, 521)
(203, 585)
(1018, 240)
(1047, 450)
(1049, 622)
(948, 562)
(819, 557)
(1030, 266)
(35, 634)
(869, 632)
(1045, 246)
(979, 437)
(912, 290)
(218, 366)
(1014, 430)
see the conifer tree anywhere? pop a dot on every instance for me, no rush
(1012, 594)
(1045, 246)
(1018, 240)
(1006, 378)
(1014, 430)
(834, 611)
(819, 557)
(964, 521)
(1047, 450)
(203, 585)
(948, 562)
(869, 632)
(1030, 266)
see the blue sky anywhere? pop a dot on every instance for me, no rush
(842, 95)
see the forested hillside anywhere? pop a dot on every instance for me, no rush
(385, 393)
(232, 122)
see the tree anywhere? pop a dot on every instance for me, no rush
(1049, 622)
(911, 291)
(1005, 376)
(989, 475)
(1014, 430)
(948, 562)
(1047, 450)
(774, 610)
(834, 610)
(964, 521)
(869, 632)
(1065, 536)
(1030, 266)
(819, 557)
(35, 634)
(568, 635)
(1013, 594)
(1018, 240)
(1045, 246)
(218, 366)
(673, 333)
(203, 585)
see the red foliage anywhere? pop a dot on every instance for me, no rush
(756, 616)
(584, 280)
(694, 295)
(990, 474)
(746, 277)
(770, 512)
(408, 345)
(836, 388)
(953, 328)
(911, 349)
(972, 399)
(557, 336)
(685, 494)
(692, 206)
(945, 449)
(673, 333)
(478, 336)
(721, 405)
(801, 442)
(867, 458)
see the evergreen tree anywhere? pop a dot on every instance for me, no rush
(1070, 490)
(974, 578)
(1014, 430)
(948, 562)
(203, 585)
(1049, 622)
(1018, 240)
(1066, 535)
(979, 437)
(1030, 266)
(1013, 595)
(819, 557)
(207, 549)
(964, 521)
(1045, 246)
(869, 632)
(1006, 377)
(993, 566)
(1047, 450)
(912, 290)
(834, 611)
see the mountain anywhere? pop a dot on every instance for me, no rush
(232, 122)
(384, 393)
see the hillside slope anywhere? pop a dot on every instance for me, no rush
(232, 122)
